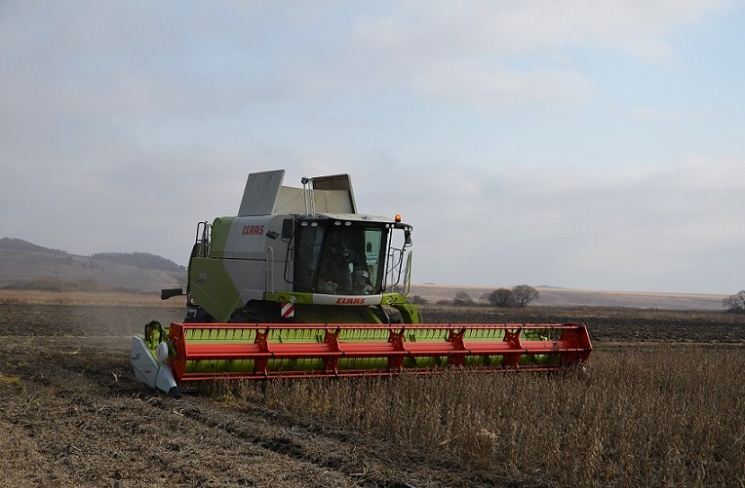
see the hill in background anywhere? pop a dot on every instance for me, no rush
(24, 265)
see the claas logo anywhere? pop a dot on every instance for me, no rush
(350, 301)
(253, 230)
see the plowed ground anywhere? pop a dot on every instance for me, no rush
(72, 414)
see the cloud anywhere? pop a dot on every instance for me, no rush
(503, 28)
(467, 52)
(124, 126)
(618, 227)
(657, 115)
(492, 87)
(147, 60)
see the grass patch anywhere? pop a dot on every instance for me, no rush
(9, 380)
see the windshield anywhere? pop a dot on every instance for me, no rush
(340, 259)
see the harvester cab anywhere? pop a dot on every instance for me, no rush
(300, 255)
(299, 284)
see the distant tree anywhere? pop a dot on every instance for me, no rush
(418, 300)
(735, 303)
(462, 298)
(502, 298)
(524, 294)
(484, 298)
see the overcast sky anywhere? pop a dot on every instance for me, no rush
(581, 144)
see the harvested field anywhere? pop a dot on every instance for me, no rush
(661, 405)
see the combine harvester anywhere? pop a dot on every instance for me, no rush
(300, 285)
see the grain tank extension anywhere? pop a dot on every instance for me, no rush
(299, 284)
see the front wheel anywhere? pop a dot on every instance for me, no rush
(257, 312)
(196, 314)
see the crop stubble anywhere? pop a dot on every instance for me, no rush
(661, 405)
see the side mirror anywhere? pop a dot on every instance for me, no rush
(167, 293)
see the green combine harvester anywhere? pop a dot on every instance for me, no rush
(299, 284)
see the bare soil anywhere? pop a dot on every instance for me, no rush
(72, 413)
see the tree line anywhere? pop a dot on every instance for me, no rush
(735, 303)
(519, 296)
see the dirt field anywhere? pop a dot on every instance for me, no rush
(72, 413)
